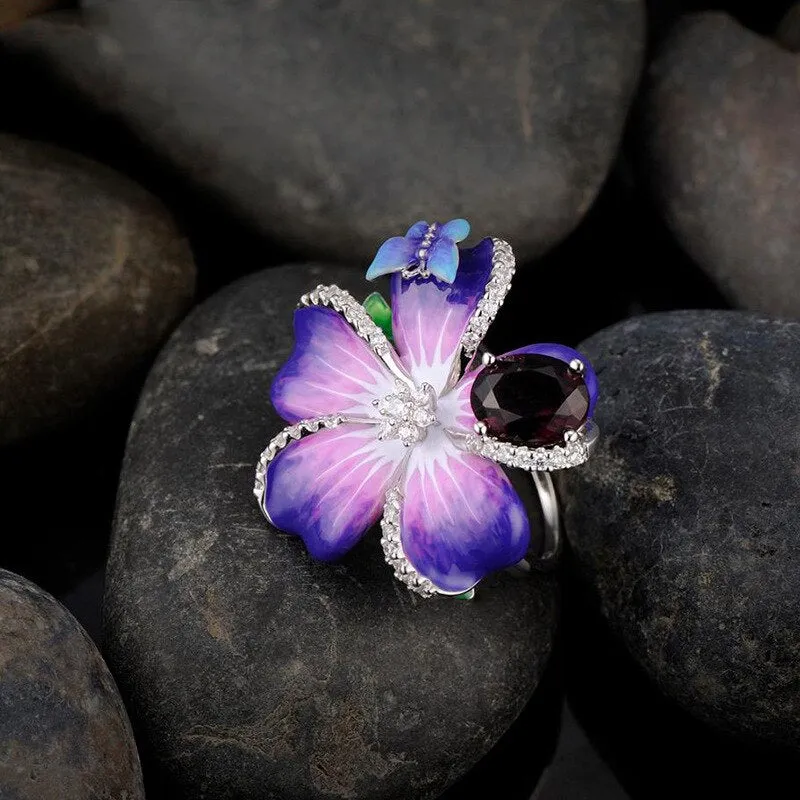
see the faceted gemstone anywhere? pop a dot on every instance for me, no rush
(530, 399)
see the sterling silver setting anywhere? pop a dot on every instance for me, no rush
(291, 433)
(503, 269)
(409, 410)
(575, 451)
(393, 549)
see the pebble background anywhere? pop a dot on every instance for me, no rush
(640, 156)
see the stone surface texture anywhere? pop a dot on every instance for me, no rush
(333, 125)
(721, 141)
(64, 732)
(253, 671)
(93, 273)
(685, 521)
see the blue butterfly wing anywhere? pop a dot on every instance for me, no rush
(456, 229)
(443, 260)
(393, 255)
(417, 230)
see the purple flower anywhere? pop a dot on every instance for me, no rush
(458, 515)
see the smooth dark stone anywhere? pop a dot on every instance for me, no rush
(251, 670)
(721, 151)
(530, 399)
(64, 732)
(93, 273)
(788, 31)
(334, 125)
(653, 747)
(685, 520)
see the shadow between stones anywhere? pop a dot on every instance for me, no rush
(58, 498)
(760, 17)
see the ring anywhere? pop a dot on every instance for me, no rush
(396, 413)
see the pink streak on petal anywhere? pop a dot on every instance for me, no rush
(454, 409)
(461, 518)
(429, 317)
(329, 487)
(330, 371)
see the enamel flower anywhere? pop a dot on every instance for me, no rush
(418, 432)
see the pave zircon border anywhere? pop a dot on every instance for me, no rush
(503, 269)
(393, 548)
(290, 434)
(354, 312)
(534, 459)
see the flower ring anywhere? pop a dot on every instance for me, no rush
(395, 413)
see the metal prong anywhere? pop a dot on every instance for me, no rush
(431, 392)
(571, 436)
(487, 359)
(376, 402)
(480, 428)
(577, 366)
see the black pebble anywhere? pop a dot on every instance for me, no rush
(253, 671)
(721, 141)
(334, 125)
(64, 732)
(685, 521)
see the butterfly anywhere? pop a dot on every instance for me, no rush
(425, 250)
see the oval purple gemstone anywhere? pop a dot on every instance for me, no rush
(530, 399)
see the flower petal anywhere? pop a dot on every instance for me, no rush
(430, 316)
(566, 354)
(329, 487)
(443, 259)
(331, 370)
(461, 518)
(393, 255)
(456, 229)
(454, 409)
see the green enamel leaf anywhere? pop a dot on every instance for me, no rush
(468, 595)
(380, 313)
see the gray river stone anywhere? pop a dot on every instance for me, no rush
(252, 670)
(686, 520)
(722, 153)
(333, 125)
(64, 732)
(93, 274)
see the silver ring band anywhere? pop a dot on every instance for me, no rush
(551, 520)
(547, 558)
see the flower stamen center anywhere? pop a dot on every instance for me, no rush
(408, 412)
